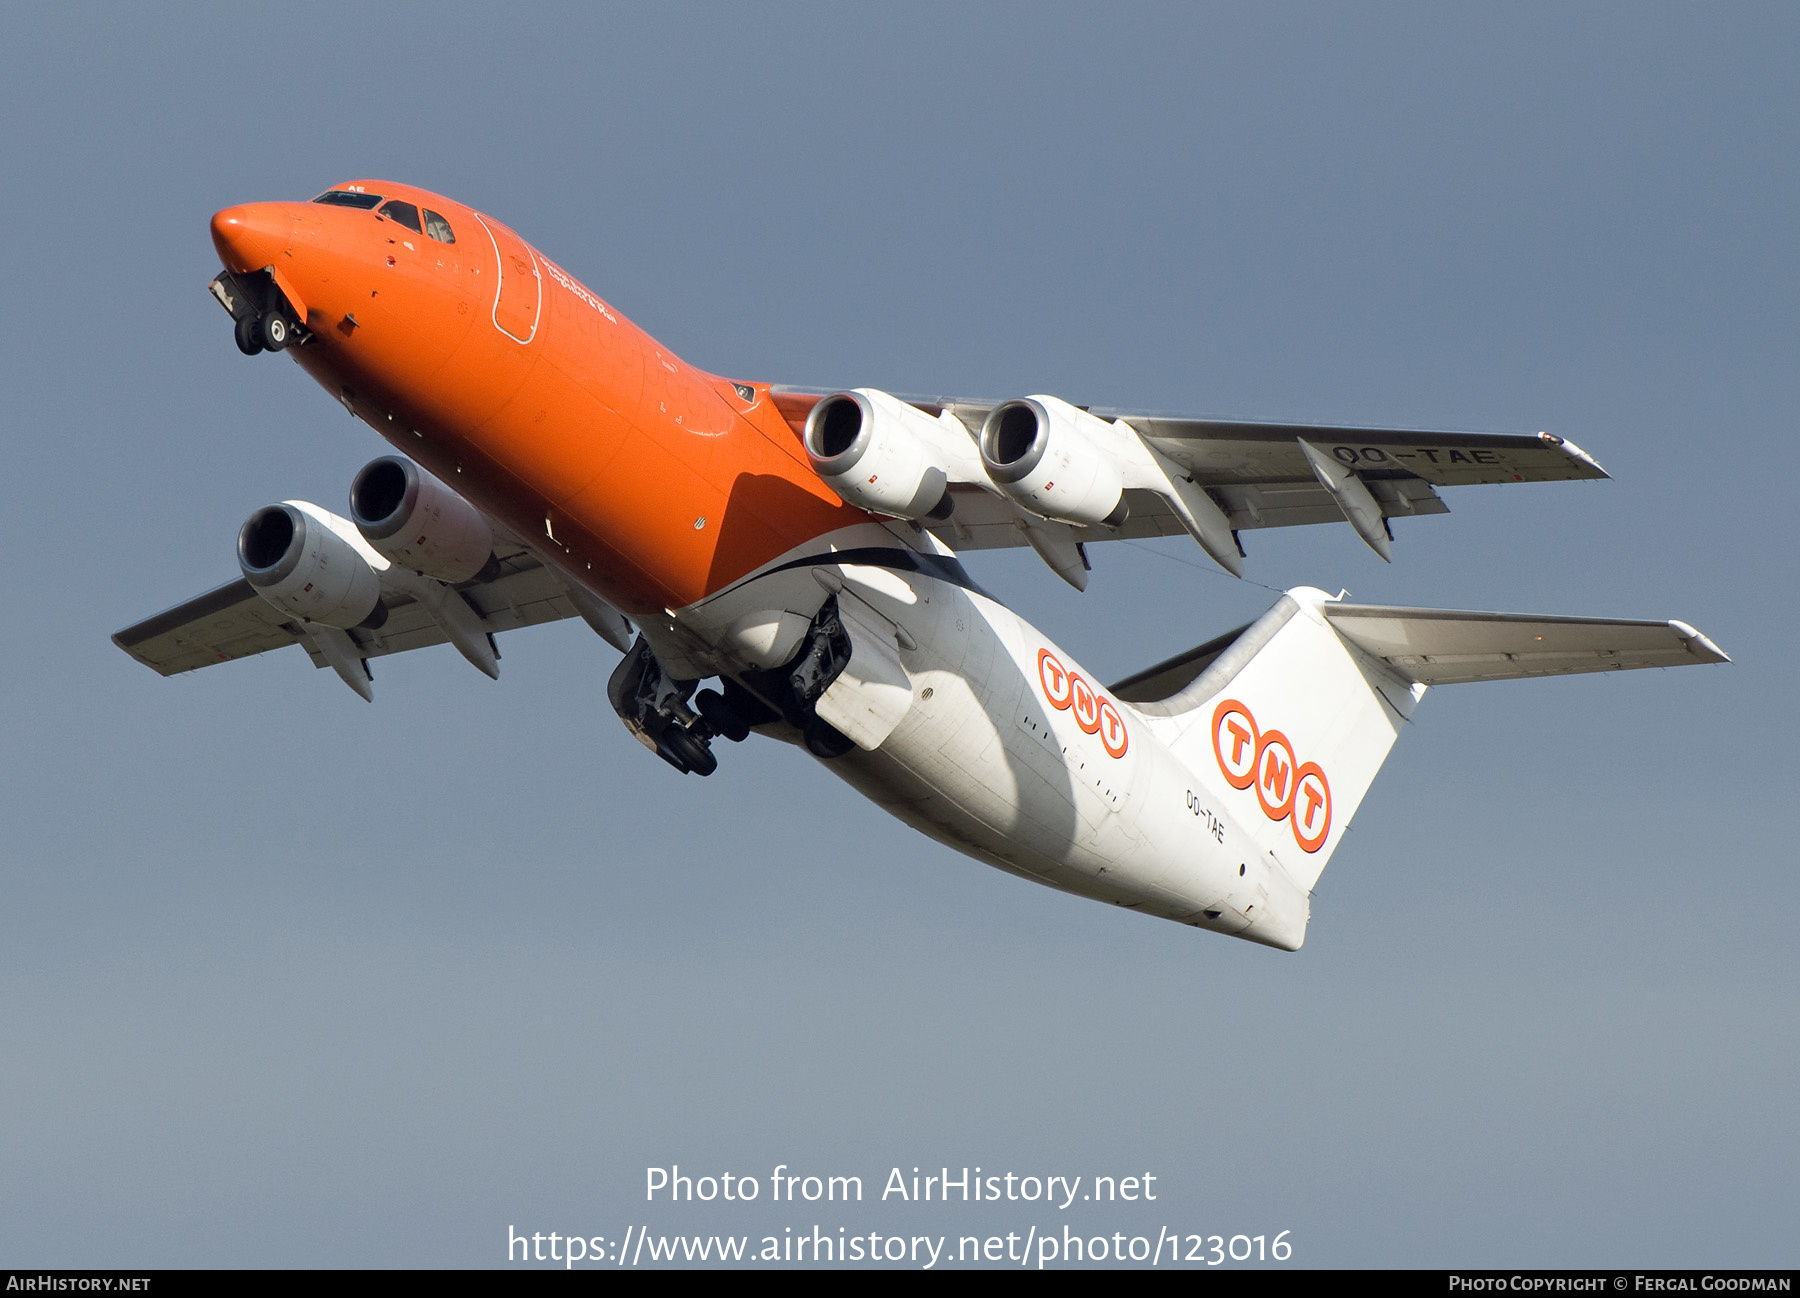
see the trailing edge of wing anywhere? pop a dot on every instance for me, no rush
(230, 621)
(1258, 474)
(233, 621)
(1226, 451)
(1447, 646)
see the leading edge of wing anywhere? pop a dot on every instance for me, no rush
(230, 621)
(1453, 646)
(1460, 456)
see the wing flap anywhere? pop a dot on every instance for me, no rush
(524, 593)
(1243, 450)
(229, 621)
(1258, 473)
(233, 621)
(1220, 451)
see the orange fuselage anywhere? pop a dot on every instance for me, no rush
(652, 482)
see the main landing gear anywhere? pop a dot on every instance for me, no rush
(795, 688)
(679, 725)
(824, 655)
(655, 708)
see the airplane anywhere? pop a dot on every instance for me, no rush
(800, 548)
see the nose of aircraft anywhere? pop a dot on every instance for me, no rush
(251, 237)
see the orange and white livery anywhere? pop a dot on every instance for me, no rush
(786, 561)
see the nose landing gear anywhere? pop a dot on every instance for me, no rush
(276, 330)
(248, 333)
(269, 332)
(262, 320)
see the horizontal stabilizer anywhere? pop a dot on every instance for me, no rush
(1286, 721)
(1448, 647)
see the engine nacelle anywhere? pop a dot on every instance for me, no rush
(311, 564)
(1055, 460)
(414, 520)
(877, 452)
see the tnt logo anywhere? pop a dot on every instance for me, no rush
(1286, 788)
(1067, 692)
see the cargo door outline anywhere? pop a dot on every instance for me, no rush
(537, 280)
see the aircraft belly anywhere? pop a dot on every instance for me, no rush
(1017, 784)
(979, 759)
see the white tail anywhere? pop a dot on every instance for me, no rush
(1289, 719)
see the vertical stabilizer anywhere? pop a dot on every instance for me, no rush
(1288, 725)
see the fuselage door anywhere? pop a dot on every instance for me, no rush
(519, 288)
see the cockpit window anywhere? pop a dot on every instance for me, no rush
(348, 198)
(405, 213)
(438, 228)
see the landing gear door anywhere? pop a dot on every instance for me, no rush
(231, 296)
(873, 692)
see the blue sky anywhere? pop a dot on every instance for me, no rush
(289, 979)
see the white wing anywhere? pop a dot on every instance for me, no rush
(233, 621)
(1247, 474)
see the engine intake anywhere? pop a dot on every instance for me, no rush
(303, 561)
(869, 447)
(414, 520)
(1054, 459)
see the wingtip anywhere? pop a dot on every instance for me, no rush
(1703, 648)
(1575, 453)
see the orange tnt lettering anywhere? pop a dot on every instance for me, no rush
(1274, 768)
(1312, 823)
(1066, 691)
(1086, 705)
(1263, 760)
(1234, 741)
(1055, 680)
(1112, 729)
(1275, 775)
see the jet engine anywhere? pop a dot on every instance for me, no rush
(878, 453)
(311, 564)
(1054, 460)
(414, 520)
